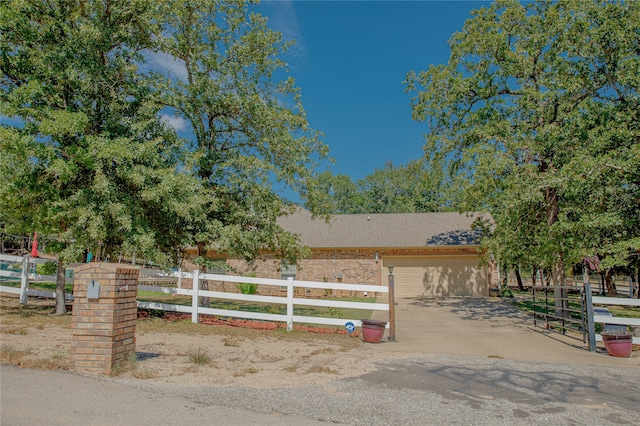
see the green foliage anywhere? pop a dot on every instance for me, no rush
(535, 118)
(200, 357)
(335, 312)
(247, 288)
(248, 123)
(88, 156)
(49, 268)
(410, 188)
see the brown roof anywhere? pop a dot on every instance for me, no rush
(385, 230)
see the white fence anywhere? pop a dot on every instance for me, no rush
(605, 319)
(290, 301)
(26, 275)
(28, 265)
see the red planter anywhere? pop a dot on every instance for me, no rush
(372, 331)
(618, 345)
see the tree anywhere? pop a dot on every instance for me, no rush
(85, 156)
(248, 123)
(343, 195)
(536, 116)
(409, 188)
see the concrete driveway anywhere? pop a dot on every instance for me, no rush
(486, 327)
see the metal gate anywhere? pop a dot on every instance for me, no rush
(560, 309)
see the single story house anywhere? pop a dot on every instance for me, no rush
(432, 254)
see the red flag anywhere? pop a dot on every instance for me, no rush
(34, 246)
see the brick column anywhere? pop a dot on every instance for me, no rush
(103, 327)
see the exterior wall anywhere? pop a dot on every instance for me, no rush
(357, 266)
(438, 276)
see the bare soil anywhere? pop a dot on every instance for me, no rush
(217, 352)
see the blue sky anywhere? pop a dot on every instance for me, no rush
(350, 60)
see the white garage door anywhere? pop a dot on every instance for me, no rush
(437, 276)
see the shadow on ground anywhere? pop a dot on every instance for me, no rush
(474, 308)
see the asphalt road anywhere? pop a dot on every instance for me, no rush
(421, 391)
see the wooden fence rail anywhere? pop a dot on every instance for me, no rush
(26, 274)
(27, 264)
(290, 301)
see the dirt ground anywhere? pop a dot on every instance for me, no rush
(178, 352)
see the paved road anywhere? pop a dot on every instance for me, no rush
(427, 390)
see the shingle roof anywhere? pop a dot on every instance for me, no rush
(384, 230)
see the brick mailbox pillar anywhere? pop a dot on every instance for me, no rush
(103, 324)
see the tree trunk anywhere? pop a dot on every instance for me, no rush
(612, 291)
(558, 276)
(519, 279)
(534, 271)
(61, 307)
(205, 302)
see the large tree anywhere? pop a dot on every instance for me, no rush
(88, 154)
(85, 157)
(537, 116)
(248, 127)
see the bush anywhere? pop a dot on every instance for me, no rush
(49, 268)
(247, 288)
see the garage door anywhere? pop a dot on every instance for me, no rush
(437, 276)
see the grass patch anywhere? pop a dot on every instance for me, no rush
(291, 368)
(231, 341)
(266, 308)
(320, 351)
(22, 331)
(13, 355)
(24, 358)
(322, 370)
(243, 373)
(200, 357)
(129, 364)
(37, 314)
(49, 286)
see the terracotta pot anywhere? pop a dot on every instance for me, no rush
(372, 331)
(618, 345)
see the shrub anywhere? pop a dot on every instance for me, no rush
(247, 288)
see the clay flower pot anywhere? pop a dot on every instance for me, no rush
(372, 331)
(617, 343)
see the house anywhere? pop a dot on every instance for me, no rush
(432, 254)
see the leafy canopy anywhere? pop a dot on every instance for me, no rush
(536, 117)
(89, 157)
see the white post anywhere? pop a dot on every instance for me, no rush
(180, 278)
(289, 303)
(24, 280)
(194, 299)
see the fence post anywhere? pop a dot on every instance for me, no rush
(588, 301)
(194, 296)
(289, 303)
(24, 280)
(392, 307)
